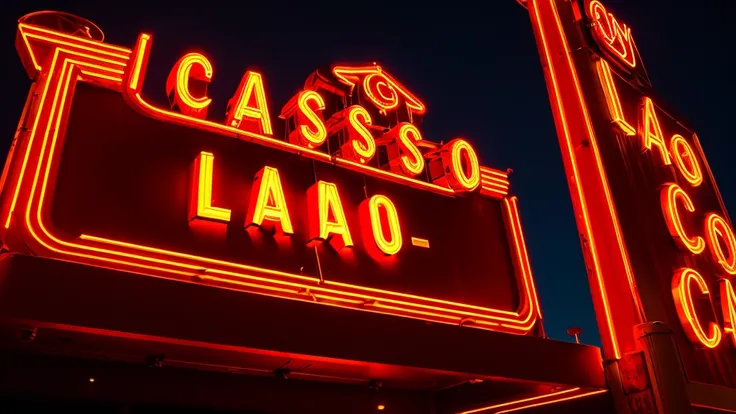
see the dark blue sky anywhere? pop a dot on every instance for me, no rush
(476, 67)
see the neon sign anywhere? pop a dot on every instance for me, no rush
(653, 224)
(326, 202)
(675, 203)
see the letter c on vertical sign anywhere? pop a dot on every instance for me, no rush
(682, 291)
(669, 196)
(385, 228)
(360, 146)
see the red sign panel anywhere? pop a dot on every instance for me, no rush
(338, 200)
(657, 236)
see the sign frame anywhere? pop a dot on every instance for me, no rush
(58, 61)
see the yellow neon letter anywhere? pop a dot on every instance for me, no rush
(682, 292)
(728, 305)
(612, 98)
(248, 109)
(460, 163)
(717, 228)
(326, 216)
(371, 217)
(651, 131)
(192, 66)
(201, 201)
(360, 146)
(403, 152)
(686, 160)
(668, 198)
(267, 207)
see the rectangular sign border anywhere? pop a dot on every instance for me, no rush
(72, 59)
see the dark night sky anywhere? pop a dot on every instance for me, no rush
(476, 67)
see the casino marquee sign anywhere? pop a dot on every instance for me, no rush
(335, 199)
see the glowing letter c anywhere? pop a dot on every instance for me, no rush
(682, 292)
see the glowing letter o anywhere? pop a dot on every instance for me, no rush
(686, 160)
(370, 212)
(462, 178)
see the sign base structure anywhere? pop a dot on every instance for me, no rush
(155, 342)
(157, 259)
(659, 245)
